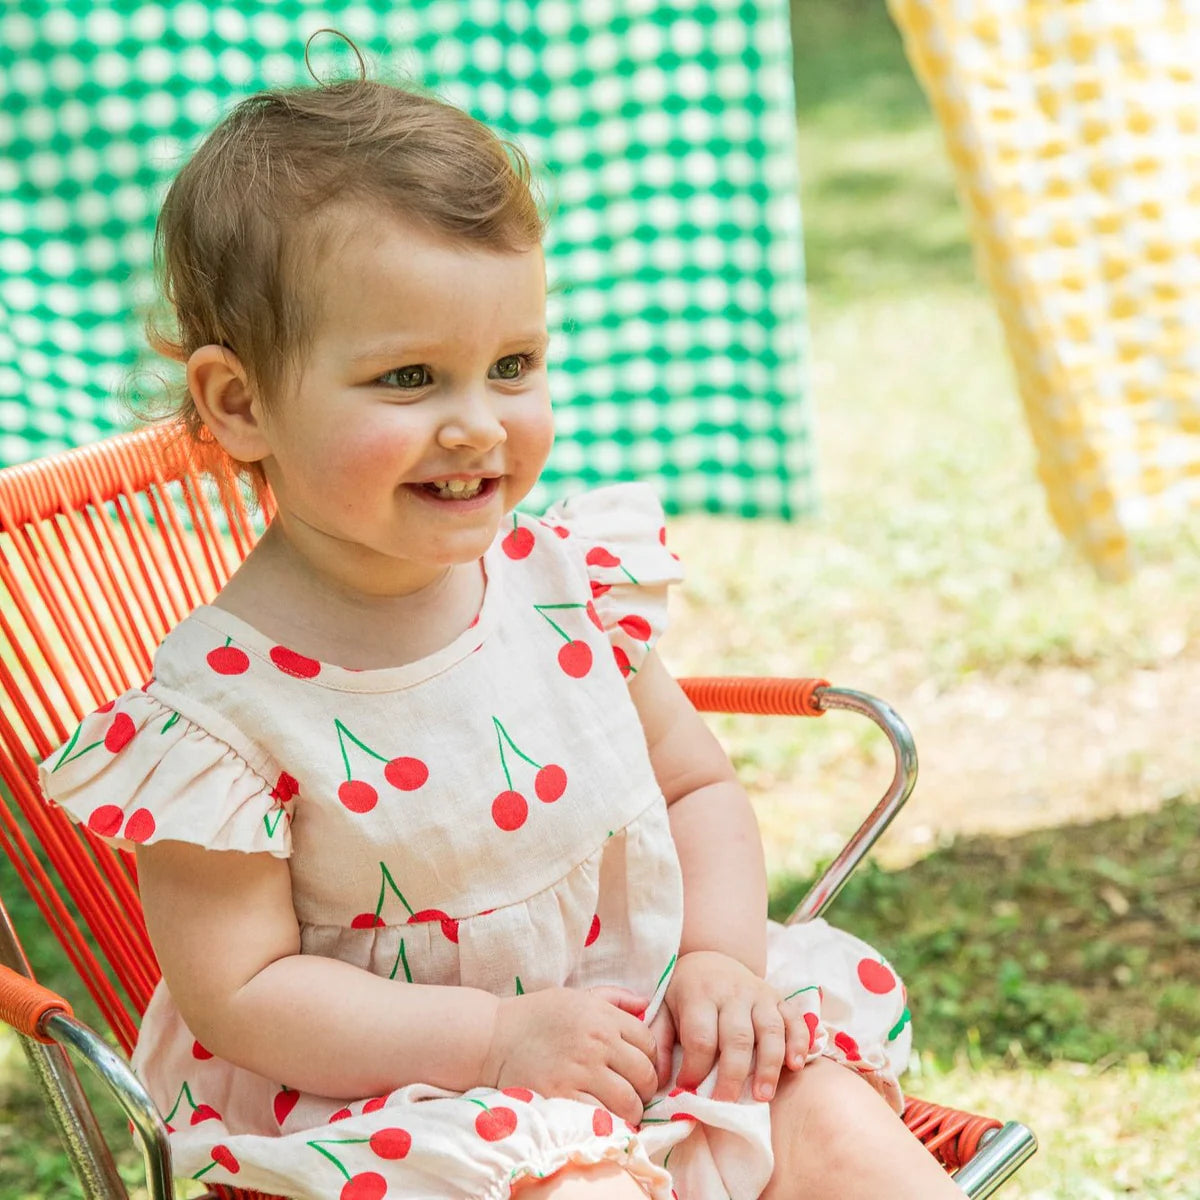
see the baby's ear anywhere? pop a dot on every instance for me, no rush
(227, 402)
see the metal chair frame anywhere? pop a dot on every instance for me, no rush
(108, 482)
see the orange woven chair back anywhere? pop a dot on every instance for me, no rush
(102, 551)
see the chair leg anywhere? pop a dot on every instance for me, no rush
(1001, 1154)
(90, 1157)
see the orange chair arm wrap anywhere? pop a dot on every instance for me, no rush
(949, 1134)
(749, 694)
(23, 1004)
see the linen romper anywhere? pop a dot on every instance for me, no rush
(487, 817)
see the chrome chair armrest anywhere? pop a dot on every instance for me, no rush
(823, 892)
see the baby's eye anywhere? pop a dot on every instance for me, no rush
(405, 377)
(511, 366)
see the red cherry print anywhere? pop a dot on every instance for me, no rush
(205, 1112)
(365, 1186)
(848, 1046)
(637, 627)
(106, 820)
(495, 1124)
(575, 658)
(222, 1156)
(228, 660)
(391, 1143)
(198, 1051)
(683, 1116)
(340, 1115)
(597, 556)
(519, 543)
(602, 1122)
(106, 707)
(140, 826)
(367, 921)
(875, 977)
(285, 1101)
(594, 616)
(594, 931)
(550, 783)
(662, 535)
(358, 796)
(374, 1104)
(598, 589)
(518, 1093)
(509, 810)
(291, 663)
(623, 661)
(679, 1091)
(407, 774)
(561, 530)
(449, 924)
(120, 733)
(285, 788)
(812, 1021)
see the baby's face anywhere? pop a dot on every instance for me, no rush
(421, 415)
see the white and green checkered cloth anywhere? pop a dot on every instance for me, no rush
(662, 135)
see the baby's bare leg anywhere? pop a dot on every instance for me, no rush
(601, 1181)
(836, 1139)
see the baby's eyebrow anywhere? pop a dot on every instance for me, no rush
(404, 352)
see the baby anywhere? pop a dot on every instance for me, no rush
(453, 892)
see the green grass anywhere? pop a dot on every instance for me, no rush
(1038, 894)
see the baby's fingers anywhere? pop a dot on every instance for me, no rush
(801, 1024)
(736, 1030)
(698, 1037)
(769, 1035)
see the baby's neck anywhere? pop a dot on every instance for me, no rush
(317, 616)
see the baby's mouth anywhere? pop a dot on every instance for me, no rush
(457, 489)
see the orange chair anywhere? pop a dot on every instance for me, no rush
(102, 551)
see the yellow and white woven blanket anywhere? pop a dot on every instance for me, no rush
(1074, 130)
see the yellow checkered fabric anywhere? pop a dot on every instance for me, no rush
(1074, 129)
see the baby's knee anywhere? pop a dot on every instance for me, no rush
(826, 1108)
(593, 1181)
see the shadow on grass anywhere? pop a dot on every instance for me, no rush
(1078, 943)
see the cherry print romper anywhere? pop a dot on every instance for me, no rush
(487, 817)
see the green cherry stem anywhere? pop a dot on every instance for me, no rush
(321, 1150)
(204, 1170)
(344, 733)
(68, 748)
(78, 754)
(515, 749)
(183, 1091)
(500, 744)
(562, 633)
(626, 573)
(812, 987)
(401, 958)
(386, 882)
(665, 973)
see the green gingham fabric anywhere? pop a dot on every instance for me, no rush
(663, 139)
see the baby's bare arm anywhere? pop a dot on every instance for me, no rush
(226, 937)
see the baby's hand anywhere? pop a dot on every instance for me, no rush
(727, 1015)
(581, 1045)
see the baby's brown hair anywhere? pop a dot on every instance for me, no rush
(244, 220)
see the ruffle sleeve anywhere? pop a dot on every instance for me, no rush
(621, 535)
(136, 771)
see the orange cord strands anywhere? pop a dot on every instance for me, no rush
(949, 1134)
(102, 551)
(23, 1004)
(770, 697)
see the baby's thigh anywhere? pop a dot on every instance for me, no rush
(597, 1181)
(834, 1135)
